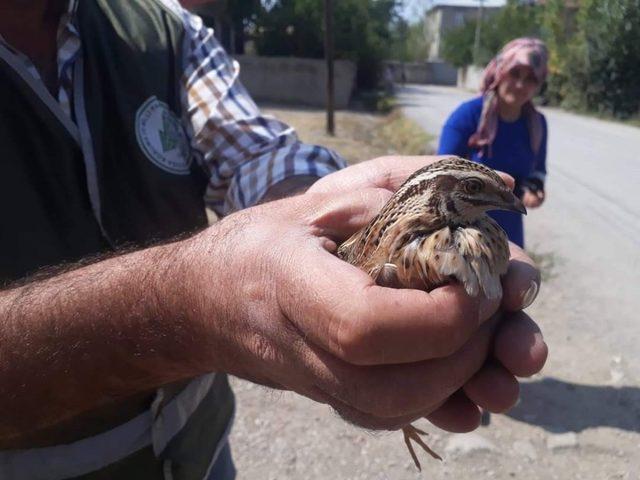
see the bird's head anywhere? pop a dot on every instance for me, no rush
(462, 190)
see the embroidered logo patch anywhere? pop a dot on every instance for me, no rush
(161, 137)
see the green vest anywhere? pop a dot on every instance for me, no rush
(124, 176)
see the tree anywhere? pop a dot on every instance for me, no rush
(242, 13)
(515, 20)
(557, 28)
(408, 42)
(594, 57)
(457, 45)
(603, 61)
(362, 32)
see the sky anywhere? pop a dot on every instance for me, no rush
(414, 9)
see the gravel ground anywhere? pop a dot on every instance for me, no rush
(579, 419)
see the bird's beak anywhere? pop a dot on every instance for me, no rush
(512, 203)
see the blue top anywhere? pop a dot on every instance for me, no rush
(511, 152)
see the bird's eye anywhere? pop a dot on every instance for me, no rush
(473, 185)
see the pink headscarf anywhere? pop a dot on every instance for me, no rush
(530, 52)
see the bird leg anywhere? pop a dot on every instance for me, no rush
(412, 433)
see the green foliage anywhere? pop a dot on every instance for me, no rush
(408, 42)
(457, 45)
(557, 27)
(362, 31)
(515, 20)
(242, 10)
(603, 61)
(594, 50)
(376, 100)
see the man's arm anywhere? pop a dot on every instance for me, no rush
(95, 335)
(288, 187)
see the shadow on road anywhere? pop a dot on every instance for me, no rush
(559, 406)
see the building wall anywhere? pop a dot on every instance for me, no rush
(295, 80)
(433, 20)
(442, 73)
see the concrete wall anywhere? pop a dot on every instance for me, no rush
(438, 73)
(295, 80)
(470, 77)
(442, 73)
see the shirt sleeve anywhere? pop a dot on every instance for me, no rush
(243, 152)
(456, 132)
(539, 174)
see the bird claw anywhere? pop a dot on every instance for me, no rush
(412, 433)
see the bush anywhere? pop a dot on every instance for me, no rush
(603, 61)
(457, 45)
(594, 56)
(515, 20)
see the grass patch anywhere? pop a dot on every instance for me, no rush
(375, 101)
(402, 136)
(359, 135)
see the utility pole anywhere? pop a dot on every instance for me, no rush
(476, 44)
(328, 53)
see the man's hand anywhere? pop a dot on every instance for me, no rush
(297, 317)
(519, 349)
(288, 187)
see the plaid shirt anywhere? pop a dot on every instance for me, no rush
(243, 152)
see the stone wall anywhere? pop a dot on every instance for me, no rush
(295, 80)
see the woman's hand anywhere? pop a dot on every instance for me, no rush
(533, 199)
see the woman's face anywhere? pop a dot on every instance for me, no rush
(518, 87)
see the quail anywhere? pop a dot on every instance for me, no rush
(433, 231)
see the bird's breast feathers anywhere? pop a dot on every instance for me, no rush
(474, 255)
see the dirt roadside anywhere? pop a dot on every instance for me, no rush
(586, 428)
(359, 135)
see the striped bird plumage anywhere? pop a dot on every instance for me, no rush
(434, 230)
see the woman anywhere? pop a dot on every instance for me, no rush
(503, 130)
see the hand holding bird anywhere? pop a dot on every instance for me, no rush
(433, 231)
(301, 319)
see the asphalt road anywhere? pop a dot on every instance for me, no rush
(588, 230)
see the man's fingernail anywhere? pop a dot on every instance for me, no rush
(530, 295)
